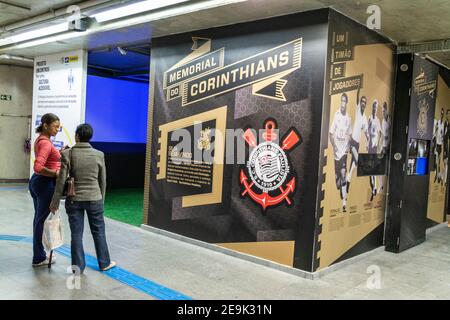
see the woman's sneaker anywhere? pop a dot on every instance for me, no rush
(111, 265)
(45, 262)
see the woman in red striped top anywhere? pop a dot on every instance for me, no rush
(42, 183)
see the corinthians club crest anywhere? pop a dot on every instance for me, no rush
(422, 119)
(268, 178)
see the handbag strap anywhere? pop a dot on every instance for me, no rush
(70, 163)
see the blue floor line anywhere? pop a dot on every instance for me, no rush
(12, 188)
(119, 274)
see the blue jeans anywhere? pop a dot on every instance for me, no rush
(94, 209)
(41, 190)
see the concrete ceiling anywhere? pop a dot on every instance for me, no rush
(131, 63)
(17, 10)
(404, 21)
(442, 57)
(423, 19)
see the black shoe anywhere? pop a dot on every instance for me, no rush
(344, 209)
(371, 197)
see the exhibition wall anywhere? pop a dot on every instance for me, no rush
(438, 182)
(16, 84)
(265, 74)
(270, 74)
(360, 82)
(409, 176)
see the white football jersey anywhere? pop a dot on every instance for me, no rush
(374, 131)
(360, 125)
(385, 131)
(440, 132)
(341, 128)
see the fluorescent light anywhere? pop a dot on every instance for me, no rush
(127, 22)
(167, 13)
(134, 8)
(42, 32)
(59, 37)
(17, 58)
(6, 41)
(112, 14)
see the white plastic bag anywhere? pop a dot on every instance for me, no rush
(53, 232)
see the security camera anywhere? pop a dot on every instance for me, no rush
(79, 24)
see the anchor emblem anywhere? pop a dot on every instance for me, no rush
(268, 167)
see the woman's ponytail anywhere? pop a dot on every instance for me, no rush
(40, 128)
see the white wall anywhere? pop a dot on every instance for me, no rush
(14, 121)
(59, 87)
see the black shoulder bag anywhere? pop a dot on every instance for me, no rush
(69, 186)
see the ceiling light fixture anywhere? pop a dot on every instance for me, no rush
(189, 7)
(49, 39)
(134, 8)
(16, 58)
(121, 23)
(38, 33)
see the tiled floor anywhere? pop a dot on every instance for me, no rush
(422, 272)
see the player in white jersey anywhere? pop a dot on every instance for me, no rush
(374, 138)
(360, 125)
(439, 134)
(385, 136)
(446, 144)
(340, 131)
(385, 129)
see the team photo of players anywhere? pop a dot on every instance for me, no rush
(346, 134)
(441, 139)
